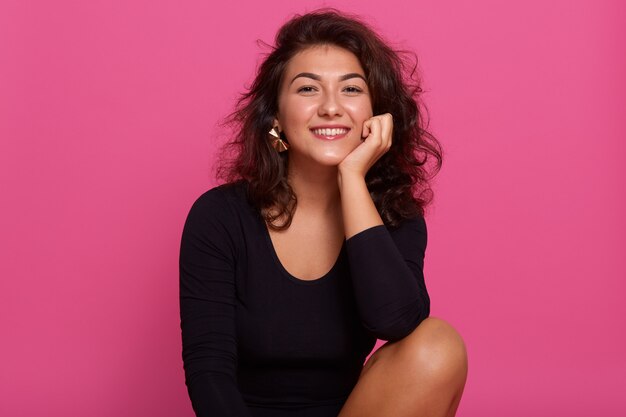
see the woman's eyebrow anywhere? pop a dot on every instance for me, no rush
(306, 75)
(318, 78)
(352, 75)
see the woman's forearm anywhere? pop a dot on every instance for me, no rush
(358, 209)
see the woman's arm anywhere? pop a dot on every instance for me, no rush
(359, 211)
(207, 309)
(387, 278)
(386, 268)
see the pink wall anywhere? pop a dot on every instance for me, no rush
(108, 115)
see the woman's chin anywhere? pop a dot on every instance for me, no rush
(321, 158)
(332, 159)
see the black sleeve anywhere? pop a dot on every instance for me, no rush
(207, 309)
(388, 280)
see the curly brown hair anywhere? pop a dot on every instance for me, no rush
(398, 182)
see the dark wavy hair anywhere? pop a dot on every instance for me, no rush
(398, 182)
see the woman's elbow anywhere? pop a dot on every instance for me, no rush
(397, 328)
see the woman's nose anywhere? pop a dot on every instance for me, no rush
(330, 106)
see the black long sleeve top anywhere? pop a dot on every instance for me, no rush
(258, 341)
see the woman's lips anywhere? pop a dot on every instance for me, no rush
(330, 133)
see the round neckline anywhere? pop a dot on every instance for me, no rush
(288, 274)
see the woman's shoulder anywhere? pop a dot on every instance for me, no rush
(412, 233)
(225, 202)
(223, 195)
(410, 227)
(415, 222)
(218, 213)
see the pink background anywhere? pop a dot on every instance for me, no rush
(108, 126)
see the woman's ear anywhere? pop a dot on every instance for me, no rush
(276, 123)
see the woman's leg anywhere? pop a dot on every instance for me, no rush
(421, 375)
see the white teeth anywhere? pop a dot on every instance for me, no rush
(330, 132)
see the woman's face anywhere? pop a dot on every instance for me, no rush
(322, 104)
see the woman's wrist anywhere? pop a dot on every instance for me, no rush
(359, 211)
(349, 178)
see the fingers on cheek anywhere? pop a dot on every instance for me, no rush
(388, 140)
(388, 130)
(383, 134)
(367, 128)
(388, 124)
(379, 131)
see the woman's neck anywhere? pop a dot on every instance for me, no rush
(316, 188)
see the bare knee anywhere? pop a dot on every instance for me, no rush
(435, 349)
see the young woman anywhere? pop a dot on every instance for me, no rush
(314, 246)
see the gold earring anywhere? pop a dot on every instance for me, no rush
(277, 143)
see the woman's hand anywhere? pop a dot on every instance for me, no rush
(377, 134)
(358, 209)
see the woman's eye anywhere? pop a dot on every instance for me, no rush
(306, 89)
(353, 89)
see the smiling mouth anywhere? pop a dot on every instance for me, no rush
(330, 133)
